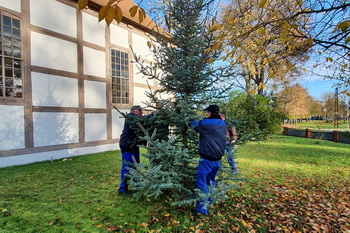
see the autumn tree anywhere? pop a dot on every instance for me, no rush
(316, 108)
(326, 29)
(328, 100)
(296, 102)
(264, 54)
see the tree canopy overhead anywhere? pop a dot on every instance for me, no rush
(262, 53)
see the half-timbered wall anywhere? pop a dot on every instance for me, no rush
(66, 108)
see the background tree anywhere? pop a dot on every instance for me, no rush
(326, 30)
(296, 102)
(266, 53)
(255, 117)
(328, 100)
(343, 105)
(316, 108)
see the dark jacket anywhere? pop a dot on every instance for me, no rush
(212, 138)
(129, 140)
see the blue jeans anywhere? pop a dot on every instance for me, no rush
(205, 178)
(231, 158)
(126, 164)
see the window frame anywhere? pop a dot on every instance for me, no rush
(120, 78)
(13, 58)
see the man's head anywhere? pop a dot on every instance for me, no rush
(137, 110)
(223, 115)
(212, 110)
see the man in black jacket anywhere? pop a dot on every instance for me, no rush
(128, 147)
(212, 143)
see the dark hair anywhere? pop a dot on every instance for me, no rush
(214, 109)
(214, 116)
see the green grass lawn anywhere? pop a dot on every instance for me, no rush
(320, 125)
(291, 184)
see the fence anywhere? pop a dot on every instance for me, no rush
(335, 136)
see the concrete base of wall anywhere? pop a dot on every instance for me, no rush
(54, 155)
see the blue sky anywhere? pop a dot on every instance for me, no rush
(317, 87)
(313, 82)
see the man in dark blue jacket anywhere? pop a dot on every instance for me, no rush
(212, 143)
(128, 147)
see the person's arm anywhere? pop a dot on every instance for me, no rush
(194, 124)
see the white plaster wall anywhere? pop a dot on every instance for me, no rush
(117, 122)
(95, 94)
(93, 31)
(119, 36)
(55, 155)
(94, 62)
(95, 127)
(139, 77)
(11, 127)
(43, 13)
(156, 82)
(52, 128)
(55, 91)
(53, 53)
(11, 4)
(140, 96)
(139, 45)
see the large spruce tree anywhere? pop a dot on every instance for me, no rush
(187, 78)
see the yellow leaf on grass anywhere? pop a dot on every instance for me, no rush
(176, 223)
(166, 215)
(144, 224)
(244, 223)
